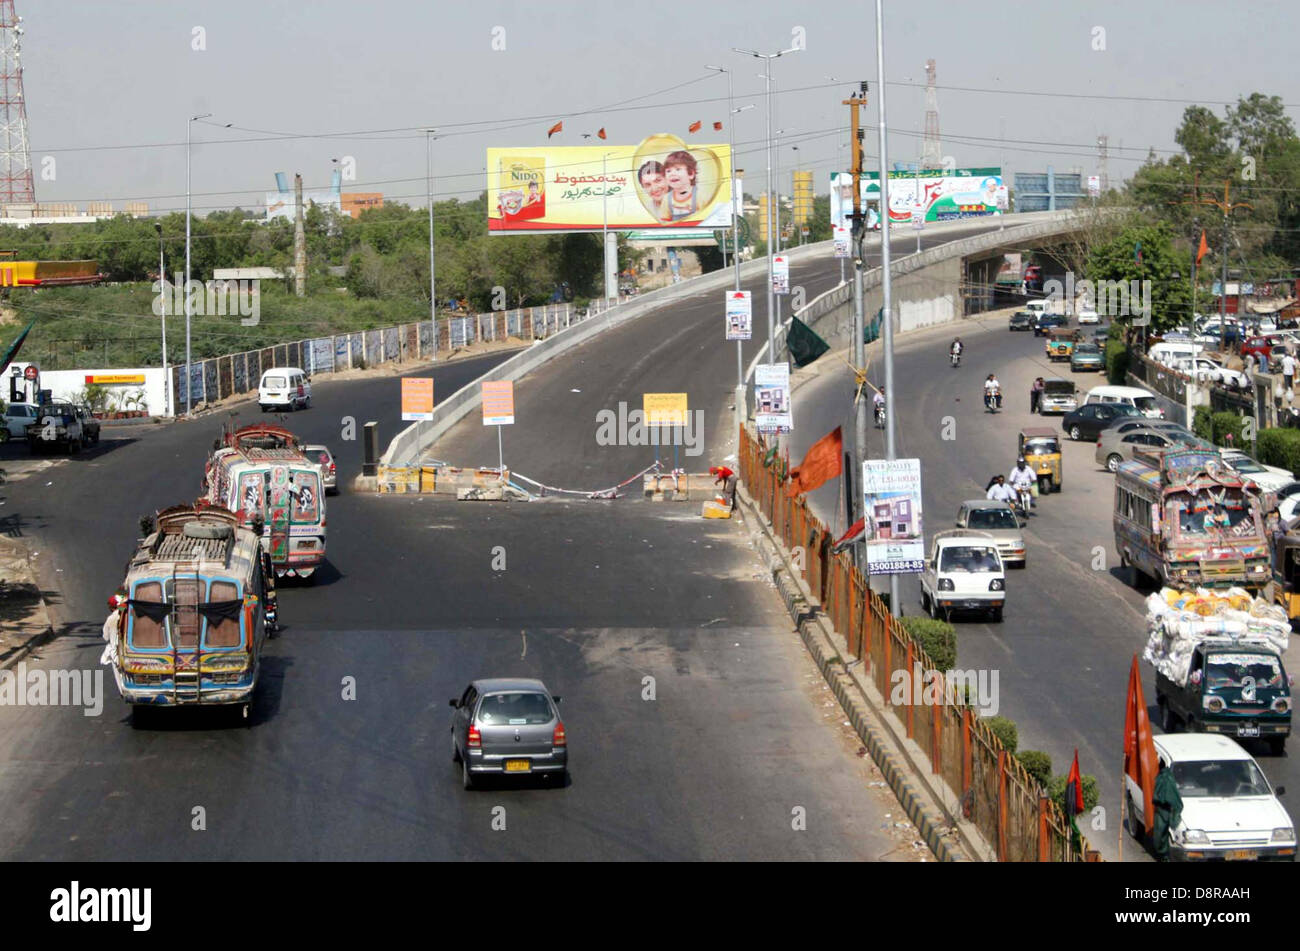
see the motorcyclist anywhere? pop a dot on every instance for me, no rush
(999, 491)
(879, 401)
(1022, 479)
(955, 349)
(992, 389)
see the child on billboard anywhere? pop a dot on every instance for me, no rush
(679, 173)
(651, 178)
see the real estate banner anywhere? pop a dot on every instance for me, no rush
(772, 410)
(661, 183)
(892, 496)
(740, 316)
(417, 398)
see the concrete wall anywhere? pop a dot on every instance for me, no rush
(68, 385)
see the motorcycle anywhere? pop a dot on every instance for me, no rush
(880, 415)
(993, 400)
(1026, 495)
(955, 357)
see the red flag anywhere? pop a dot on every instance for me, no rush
(554, 129)
(823, 462)
(1140, 761)
(1074, 789)
(855, 532)
(600, 134)
(1203, 250)
(717, 127)
(695, 126)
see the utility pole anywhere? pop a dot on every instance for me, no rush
(887, 322)
(189, 397)
(299, 240)
(858, 217)
(433, 291)
(1227, 207)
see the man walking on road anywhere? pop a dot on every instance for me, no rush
(1036, 395)
(1288, 369)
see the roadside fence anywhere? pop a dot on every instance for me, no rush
(1013, 814)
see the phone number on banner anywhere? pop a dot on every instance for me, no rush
(895, 567)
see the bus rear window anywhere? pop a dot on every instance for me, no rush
(306, 504)
(223, 631)
(147, 632)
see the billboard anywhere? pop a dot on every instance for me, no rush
(943, 195)
(281, 204)
(660, 183)
(892, 495)
(842, 201)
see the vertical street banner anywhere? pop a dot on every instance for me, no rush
(781, 274)
(417, 398)
(498, 402)
(740, 316)
(892, 497)
(664, 409)
(843, 239)
(1094, 186)
(773, 412)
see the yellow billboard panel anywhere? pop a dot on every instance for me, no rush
(664, 409)
(660, 183)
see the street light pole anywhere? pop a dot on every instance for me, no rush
(771, 306)
(162, 287)
(887, 322)
(433, 293)
(189, 396)
(735, 234)
(604, 224)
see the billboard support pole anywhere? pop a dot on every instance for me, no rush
(887, 318)
(858, 217)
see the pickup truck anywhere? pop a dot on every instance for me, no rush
(1235, 688)
(57, 425)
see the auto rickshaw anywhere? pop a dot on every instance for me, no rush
(1060, 344)
(1286, 571)
(1041, 448)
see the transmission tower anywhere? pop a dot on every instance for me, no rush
(16, 182)
(931, 153)
(1102, 174)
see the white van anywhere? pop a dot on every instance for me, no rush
(1170, 352)
(1142, 400)
(1036, 307)
(284, 386)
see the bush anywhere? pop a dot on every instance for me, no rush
(1279, 447)
(1117, 359)
(937, 638)
(1202, 423)
(1091, 795)
(1038, 764)
(1005, 730)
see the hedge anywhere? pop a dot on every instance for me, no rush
(1091, 795)
(1037, 764)
(1279, 447)
(937, 638)
(1005, 730)
(1117, 360)
(1216, 427)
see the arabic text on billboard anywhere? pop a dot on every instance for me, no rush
(660, 183)
(892, 496)
(943, 195)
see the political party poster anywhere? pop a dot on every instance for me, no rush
(660, 183)
(841, 203)
(943, 195)
(772, 410)
(892, 497)
(740, 316)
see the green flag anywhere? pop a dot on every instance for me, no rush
(15, 347)
(805, 346)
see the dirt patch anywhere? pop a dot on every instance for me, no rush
(24, 619)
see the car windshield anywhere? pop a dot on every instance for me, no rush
(968, 559)
(514, 709)
(1199, 779)
(992, 518)
(1145, 403)
(1244, 464)
(1124, 409)
(1087, 348)
(1041, 445)
(1232, 670)
(274, 382)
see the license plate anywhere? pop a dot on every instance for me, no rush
(518, 765)
(1240, 855)
(1248, 729)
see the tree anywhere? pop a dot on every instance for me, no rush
(1117, 260)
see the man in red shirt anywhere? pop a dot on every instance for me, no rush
(728, 480)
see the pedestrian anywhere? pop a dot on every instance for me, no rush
(1167, 805)
(1288, 370)
(1036, 395)
(728, 480)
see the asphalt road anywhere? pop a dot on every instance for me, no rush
(1072, 622)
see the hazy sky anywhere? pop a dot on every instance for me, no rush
(110, 85)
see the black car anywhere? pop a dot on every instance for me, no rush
(1021, 320)
(1047, 323)
(1090, 419)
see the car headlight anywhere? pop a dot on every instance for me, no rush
(995, 584)
(1281, 705)
(1196, 836)
(1213, 704)
(1284, 834)
(945, 584)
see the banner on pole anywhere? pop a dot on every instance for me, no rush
(740, 316)
(781, 274)
(891, 491)
(417, 398)
(664, 409)
(773, 412)
(843, 238)
(498, 402)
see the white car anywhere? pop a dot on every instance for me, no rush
(1288, 502)
(1229, 810)
(17, 416)
(964, 572)
(1268, 478)
(1088, 316)
(1203, 369)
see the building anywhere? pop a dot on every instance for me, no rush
(356, 202)
(1048, 191)
(803, 198)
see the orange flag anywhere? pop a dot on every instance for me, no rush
(1140, 761)
(554, 129)
(717, 127)
(823, 462)
(600, 133)
(1203, 250)
(694, 126)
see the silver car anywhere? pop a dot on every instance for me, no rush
(329, 472)
(1114, 447)
(999, 521)
(508, 727)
